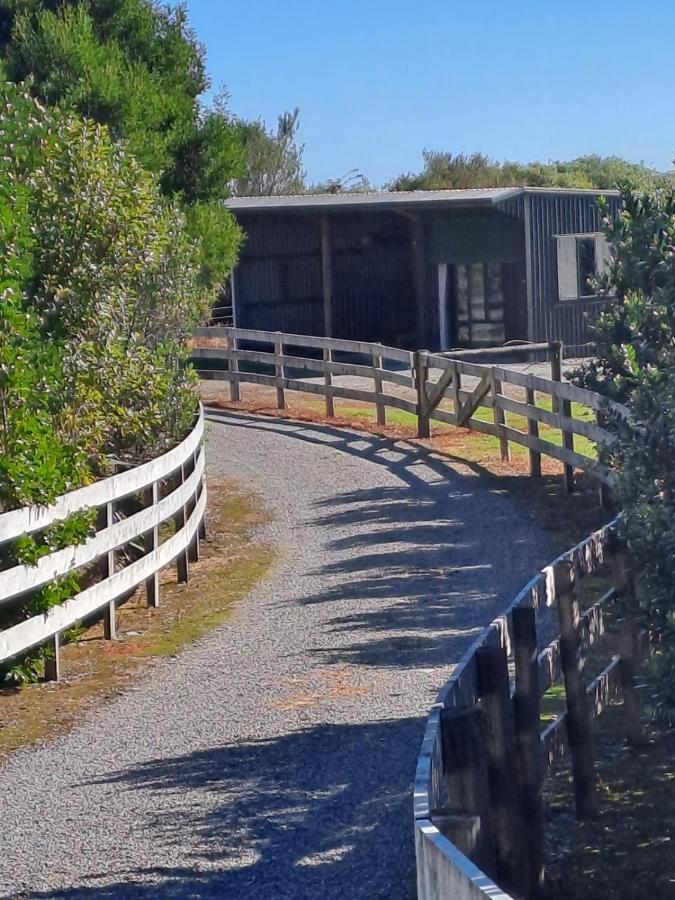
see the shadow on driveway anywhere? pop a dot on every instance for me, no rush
(304, 805)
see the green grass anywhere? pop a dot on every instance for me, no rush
(552, 703)
(487, 443)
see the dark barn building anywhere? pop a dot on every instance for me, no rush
(432, 269)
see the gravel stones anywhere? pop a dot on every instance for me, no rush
(275, 757)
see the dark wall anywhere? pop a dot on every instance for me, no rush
(278, 279)
(278, 284)
(549, 215)
(373, 295)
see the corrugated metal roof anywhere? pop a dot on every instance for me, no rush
(390, 199)
(380, 199)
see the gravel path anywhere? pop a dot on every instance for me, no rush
(274, 758)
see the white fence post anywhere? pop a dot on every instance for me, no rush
(151, 544)
(110, 618)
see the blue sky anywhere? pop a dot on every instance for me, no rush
(377, 81)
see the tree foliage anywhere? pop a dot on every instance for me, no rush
(636, 365)
(99, 291)
(443, 171)
(273, 159)
(137, 68)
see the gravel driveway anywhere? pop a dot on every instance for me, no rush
(274, 758)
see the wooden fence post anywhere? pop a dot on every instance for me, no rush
(233, 370)
(495, 697)
(53, 665)
(579, 724)
(533, 430)
(556, 360)
(456, 388)
(377, 377)
(110, 617)
(603, 489)
(499, 417)
(182, 568)
(568, 442)
(564, 408)
(193, 546)
(465, 773)
(421, 369)
(627, 666)
(151, 541)
(330, 406)
(279, 368)
(527, 715)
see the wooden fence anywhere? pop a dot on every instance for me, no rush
(432, 387)
(478, 789)
(125, 552)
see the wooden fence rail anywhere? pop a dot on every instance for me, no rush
(498, 825)
(478, 792)
(170, 488)
(431, 387)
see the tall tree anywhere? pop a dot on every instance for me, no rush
(273, 159)
(136, 67)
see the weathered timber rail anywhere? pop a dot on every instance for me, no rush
(125, 552)
(432, 387)
(478, 789)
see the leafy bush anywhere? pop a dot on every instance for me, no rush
(636, 365)
(115, 283)
(101, 286)
(136, 67)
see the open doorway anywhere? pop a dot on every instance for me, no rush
(473, 298)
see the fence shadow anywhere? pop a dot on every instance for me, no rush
(431, 554)
(297, 816)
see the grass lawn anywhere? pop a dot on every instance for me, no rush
(483, 443)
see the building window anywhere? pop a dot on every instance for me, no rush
(581, 257)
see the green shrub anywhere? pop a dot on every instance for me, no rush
(636, 365)
(101, 286)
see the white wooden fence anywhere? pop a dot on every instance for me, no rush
(172, 487)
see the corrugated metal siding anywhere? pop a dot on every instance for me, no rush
(372, 278)
(550, 215)
(279, 281)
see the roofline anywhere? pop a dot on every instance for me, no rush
(376, 200)
(390, 200)
(594, 192)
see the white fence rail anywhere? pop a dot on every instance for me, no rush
(127, 550)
